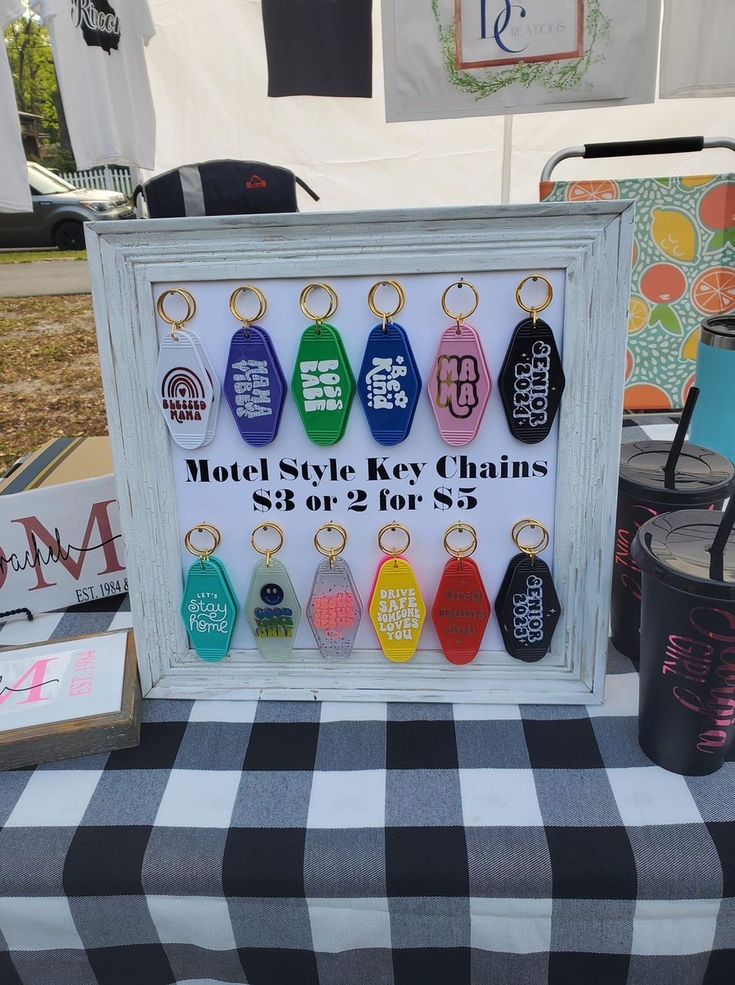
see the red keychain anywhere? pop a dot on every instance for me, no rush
(461, 609)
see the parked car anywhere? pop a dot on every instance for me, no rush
(59, 212)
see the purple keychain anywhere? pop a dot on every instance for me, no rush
(459, 383)
(254, 384)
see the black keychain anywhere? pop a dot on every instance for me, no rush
(527, 605)
(532, 380)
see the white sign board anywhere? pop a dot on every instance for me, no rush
(423, 483)
(568, 482)
(456, 58)
(60, 546)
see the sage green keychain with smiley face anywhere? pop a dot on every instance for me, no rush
(272, 608)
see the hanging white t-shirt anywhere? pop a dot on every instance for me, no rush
(697, 49)
(100, 62)
(15, 194)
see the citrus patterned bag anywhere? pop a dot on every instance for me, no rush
(683, 272)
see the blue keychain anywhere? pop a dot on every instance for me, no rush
(209, 605)
(389, 382)
(254, 384)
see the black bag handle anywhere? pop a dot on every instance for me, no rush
(309, 191)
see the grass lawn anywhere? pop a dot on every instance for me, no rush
(50, 385)
(30, 256)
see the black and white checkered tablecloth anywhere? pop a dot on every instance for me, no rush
(279, 843)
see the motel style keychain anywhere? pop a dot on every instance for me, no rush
(461, 609)
(389, 382)
(254, 384)
(272, 608)
(459, 384)
(531, 380)
(323, 385)
(527, 605)
(397, 608)
(187, 390)
(209, 605)
(334, 609)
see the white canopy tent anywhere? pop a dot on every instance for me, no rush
(209, 79)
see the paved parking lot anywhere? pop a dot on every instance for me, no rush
(25, 280)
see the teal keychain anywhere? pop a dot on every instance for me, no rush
(209, 605)
(272, 608)
(323, 385)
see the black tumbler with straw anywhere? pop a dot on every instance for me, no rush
(686, 709)
(657, 477)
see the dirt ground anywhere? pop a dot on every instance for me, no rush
(50, 385)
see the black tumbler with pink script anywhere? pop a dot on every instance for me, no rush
(701, 479)
(686, 710)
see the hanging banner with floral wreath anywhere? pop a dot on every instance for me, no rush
(683, 272)
(455, 58)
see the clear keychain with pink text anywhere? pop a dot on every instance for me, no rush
(334, 609)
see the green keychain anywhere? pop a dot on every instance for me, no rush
(323, 384)
(209, 605)
(272, 608)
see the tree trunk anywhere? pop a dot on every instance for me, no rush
(64, 139)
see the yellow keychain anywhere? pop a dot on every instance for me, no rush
(397, 608)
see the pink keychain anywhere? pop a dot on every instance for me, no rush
(459, 382)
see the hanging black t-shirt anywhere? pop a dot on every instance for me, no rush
(319, 47)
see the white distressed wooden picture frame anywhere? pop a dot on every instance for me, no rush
(590, 243)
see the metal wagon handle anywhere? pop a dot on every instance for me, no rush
(635, 148)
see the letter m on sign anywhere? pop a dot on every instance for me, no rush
(28, 688)
(98, 536)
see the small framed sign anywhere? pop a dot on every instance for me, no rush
(69, 698)
(232, 419)
(491, 33)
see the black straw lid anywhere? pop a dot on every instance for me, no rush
(675, 548)
(701, 476)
